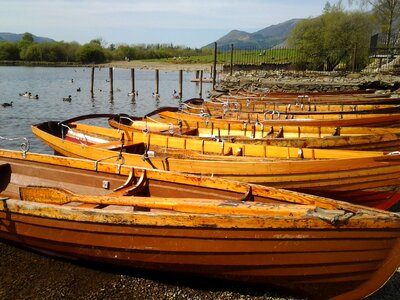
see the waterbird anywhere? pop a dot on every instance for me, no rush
(134, 93)
(23, 94)
(175, 95)
(78, 89)
(68, 98)
(6, 104)
(34, 97)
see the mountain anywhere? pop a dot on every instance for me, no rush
(265, 38)
(16, 37)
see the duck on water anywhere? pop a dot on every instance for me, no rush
(6, 104)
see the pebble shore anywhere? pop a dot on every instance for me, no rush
(28, 275)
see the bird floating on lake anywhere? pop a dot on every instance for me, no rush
(78, 89)
(68, 98)
(34, 97)
(26, 94)
(6, 104)
(134, 93)
(175, 95)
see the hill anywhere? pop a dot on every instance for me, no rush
(16, 37)
(265, 38)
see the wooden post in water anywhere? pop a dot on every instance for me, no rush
(110, 72)
(133, 80)
(201, 84)
(157, 91)
(215, 66)
(92, 81)
(180, 83)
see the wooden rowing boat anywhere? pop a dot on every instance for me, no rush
(366, 177)
(194, 225)
(219, 108)
(310, 99)
(357, 138)
(172, 114)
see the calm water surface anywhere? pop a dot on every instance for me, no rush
(54, 84)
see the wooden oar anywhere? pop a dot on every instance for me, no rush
(187, 205)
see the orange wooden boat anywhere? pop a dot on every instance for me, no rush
(199, 226)
(310, 98)
(324, 137)
(172, 114)
(367, 177)
(222, 108)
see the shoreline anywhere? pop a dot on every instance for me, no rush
(136, 64)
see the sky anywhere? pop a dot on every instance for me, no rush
(180, 22)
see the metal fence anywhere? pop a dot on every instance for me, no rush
(285, 58)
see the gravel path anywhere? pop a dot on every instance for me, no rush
(28, 275)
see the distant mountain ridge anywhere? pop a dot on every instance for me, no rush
(265, 38)
(16, 37)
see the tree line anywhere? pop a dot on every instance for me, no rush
(340, 37)
(93, 52)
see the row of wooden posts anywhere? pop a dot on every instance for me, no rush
(199, 76)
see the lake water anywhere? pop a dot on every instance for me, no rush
(54, 84)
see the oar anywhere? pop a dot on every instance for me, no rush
(187, 205)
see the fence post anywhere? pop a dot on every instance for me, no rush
(353, 67)
(215, 66)
(231, 60)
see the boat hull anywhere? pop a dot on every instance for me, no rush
(317, 263)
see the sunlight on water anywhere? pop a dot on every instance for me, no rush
(54, 84)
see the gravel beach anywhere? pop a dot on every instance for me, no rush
(28, 275)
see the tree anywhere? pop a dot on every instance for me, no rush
(91, 53)
(9, 51)
(332, 38)
(386, 12)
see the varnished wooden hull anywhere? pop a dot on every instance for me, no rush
(357, 138)
(349, 259)
(343, 173)
(385, 120)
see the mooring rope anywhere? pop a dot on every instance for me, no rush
(25, 145)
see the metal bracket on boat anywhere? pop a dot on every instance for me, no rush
(272, 113)
(335, 217)
(146, 157)
(119, 158)
(25, 144)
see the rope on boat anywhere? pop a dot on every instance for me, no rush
(25, 145)
(183, 105)
(272, 112)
